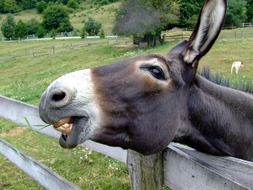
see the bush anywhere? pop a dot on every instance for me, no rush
(41, 6)
(236, 12)
(8, 27)
(20, 30)
(102, 34)
(250, 11)
(65, 26)
(55, 17)
(92, 27)
(32, 26)
(83, 33)
(72, 4)
(41, 32)
(105, 2)
(53, 34)
(9, 6)
(27, 4)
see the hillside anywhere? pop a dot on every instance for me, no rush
(104, 14)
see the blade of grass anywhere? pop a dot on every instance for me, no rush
(32, 126)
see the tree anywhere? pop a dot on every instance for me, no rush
(20, 30)
(26, 4)
(41, 6)
(249, 11)
(236, 12)
(55, 17)
(65, 26)
(72, 4)
(9, 6)
(32, 26)
(92, 27)
(146, 19)
(8, 27)
(41, 32)
(189, 11)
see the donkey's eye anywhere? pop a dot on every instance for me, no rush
(156, 71)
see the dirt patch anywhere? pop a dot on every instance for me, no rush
(13, 132)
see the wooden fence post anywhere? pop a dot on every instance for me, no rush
(146, 172)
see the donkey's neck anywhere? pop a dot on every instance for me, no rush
(220, 120)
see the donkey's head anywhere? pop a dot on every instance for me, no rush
(137, 103)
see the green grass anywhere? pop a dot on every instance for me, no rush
(225, 52)
(87, 169)
(104, 14)
(25, 78)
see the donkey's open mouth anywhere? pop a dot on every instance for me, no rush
(70, 127)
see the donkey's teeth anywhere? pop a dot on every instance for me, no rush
(65, 128)
(63, 121)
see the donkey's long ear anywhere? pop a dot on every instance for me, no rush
(206, 31)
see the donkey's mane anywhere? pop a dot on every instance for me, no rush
(245, 86)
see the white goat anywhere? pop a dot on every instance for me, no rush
(236, 65)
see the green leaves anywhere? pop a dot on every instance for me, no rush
(8, 27)
(55, 17)
(92, 27)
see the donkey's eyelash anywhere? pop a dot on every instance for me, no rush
(156, 71)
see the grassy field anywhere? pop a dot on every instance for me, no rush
(26, 77)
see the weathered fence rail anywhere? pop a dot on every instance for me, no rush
(178, 167)
(44, 176)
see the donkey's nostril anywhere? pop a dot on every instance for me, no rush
(58, 96)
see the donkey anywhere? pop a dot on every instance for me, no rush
(144, 103)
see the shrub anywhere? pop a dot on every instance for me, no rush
(8, 27)
(72, 4)
(102, 33)
(53, 34)
(92, 27)
(27, 4)
(9, 6)
(236, 12)
(83, 33)
(105, 2)
(32, 26)
(41, 6)
(55, 17)
(65, 26)
(41, 32)
(20, 30)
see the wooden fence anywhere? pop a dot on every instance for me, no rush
(225, 34)
(178, 167)
(63, 47)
